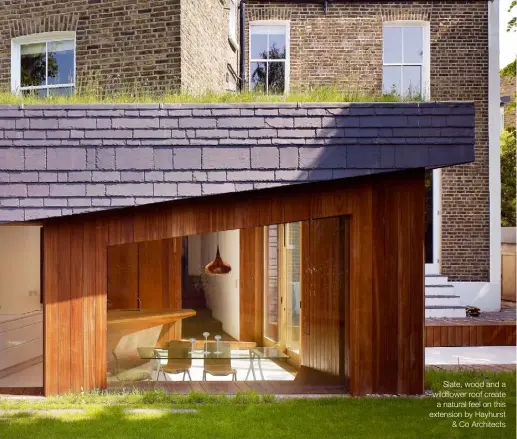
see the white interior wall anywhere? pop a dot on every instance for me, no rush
(19, 269)
(222, 291)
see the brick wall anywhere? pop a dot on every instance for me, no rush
(344, 48)
(205, 49)
(123, 42)
(508, 89)
(59, 160)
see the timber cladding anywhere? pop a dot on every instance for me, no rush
(384, 308)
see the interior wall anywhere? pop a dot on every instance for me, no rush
(19, 269)
(221, 292)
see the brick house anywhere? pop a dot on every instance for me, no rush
(440, 50)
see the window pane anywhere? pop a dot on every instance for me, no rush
(276, 77)
(413, 45)
(411, 81)
(258, 76)
(392, 44)
(33, 64)
(391, 79)
(40, 92)
(60, 91)
(61, 62)
(292, 291)
(259, 42)
(271, 301)
(277, 38)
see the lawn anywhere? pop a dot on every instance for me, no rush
(253, 416)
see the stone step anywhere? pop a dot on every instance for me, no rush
(439, 290)
(444, 311)
(436, 279)
(442, 300)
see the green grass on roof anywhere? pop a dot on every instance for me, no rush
(317, 94)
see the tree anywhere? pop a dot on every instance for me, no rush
(275, 77)
(512, 24)
(508, 178)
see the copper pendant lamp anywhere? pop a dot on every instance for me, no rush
(218, 266)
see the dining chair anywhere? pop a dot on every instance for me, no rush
(220, 366)
(178, 360)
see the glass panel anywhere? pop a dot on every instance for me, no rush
(271, 301)
(429, 217)
(258, 76)
(413, 45)
(40, 92)
(277, 48)
(61, 62)
(392, 44)
(33, 64)
(292, 285)
(259, 42)
(411, 80)
(391, 79)
(60, 91)
(276, 77)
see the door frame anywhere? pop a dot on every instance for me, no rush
(435, 266)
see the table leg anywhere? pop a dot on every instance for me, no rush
(251, 368)
(260, 368)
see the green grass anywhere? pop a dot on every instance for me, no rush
(90, 95)
(254, 416)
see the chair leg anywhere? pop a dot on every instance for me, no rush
(189, 377)
(204, 375)
(184, 375)
(164, 375)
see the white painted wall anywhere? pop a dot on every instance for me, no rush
(222, 292)
(19, 269)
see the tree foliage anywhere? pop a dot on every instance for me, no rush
(508, 178)
(512, 24)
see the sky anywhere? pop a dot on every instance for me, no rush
(507, 40)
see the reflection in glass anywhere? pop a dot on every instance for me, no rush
(259, 44)
(413, 45)
(33, 64)
(271, 299)
(258, 76)
(292, 285)
(391, 80)
(276, 77)
(411, 80)
(61, 57)
(392, 44)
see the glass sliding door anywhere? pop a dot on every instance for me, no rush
(282, 288)
(271, 291)
(292, 266)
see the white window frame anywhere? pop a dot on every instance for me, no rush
(46, 37)
(232, 23)
(426, 47)
(287, 61)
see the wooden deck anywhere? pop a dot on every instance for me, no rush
(232, 388)
(490, 329)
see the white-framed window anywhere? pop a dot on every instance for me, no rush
(269, 56)
(43, 64)
(232, 23)
(405, 58)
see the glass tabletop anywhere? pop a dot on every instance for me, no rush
(212, 352)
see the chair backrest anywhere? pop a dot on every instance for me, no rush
(179, 351)
(225, 348)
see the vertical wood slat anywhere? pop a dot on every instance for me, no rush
(64, 308)
(122, 266)
(90, 328)
(51, 314)
(77, 308)
(101, 294)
